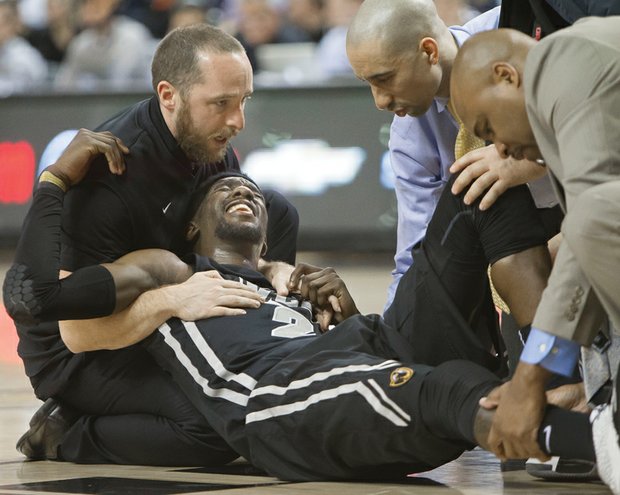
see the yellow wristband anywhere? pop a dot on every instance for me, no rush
(50, 177)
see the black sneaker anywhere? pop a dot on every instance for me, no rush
(561, 469)
(47, 428)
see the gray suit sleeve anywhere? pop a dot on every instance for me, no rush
(576, 119)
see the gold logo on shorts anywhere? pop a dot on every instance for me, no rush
(400, 376)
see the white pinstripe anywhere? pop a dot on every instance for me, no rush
(389, 401)
(358, 387)
(218, 367)
(321, 376)
(222, 393)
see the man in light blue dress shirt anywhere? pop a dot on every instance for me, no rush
(414, 84)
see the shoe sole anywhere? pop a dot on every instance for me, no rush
(550, 474)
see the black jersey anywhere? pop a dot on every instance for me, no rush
(269, 378)
(224, 357)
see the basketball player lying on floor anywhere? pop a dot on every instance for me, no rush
(351, 403)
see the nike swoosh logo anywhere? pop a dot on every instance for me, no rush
(547, 431)
(165, 208)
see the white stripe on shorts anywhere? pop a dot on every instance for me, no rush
(330, 394)
(320, 376)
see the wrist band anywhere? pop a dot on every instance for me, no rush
(50, 177)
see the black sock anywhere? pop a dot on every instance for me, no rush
(566, 434)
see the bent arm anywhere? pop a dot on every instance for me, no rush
(33, 291)
(31, 288)
(203, 295)
(121, 329)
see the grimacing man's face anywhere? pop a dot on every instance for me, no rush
(234, 210)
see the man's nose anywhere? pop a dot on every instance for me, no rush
(236, 118)
(243, 191)
(382, 98)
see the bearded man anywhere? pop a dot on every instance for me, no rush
(130, 411)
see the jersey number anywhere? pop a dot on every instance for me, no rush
(295, 325)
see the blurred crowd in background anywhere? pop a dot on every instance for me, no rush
(86, 45)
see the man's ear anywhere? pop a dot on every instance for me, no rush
(192, 232)
(168, 95)
(263, 251)
(430, 48)
(504, 72)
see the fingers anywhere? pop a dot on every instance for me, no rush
(467, 176)
(114, 150)
(242, 294)
(335, 304)
(299, 272)
(213, 287)
(479, 186)
(215, 303)
(107, 144)
(317, 287)
(465, 161)
(508, 448)
(493, 398)
(74, 162)
(570, 396)
(523, 449)
(224, 311)
(324, 318)
(495, 445)
(281, 286)
(496, 190)
(232, 299)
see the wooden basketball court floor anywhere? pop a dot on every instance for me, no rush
(476, 472)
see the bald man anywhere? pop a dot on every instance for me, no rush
(405, 52)
(556, 102)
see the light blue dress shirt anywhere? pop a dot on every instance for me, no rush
(551, 352)
(421, 152)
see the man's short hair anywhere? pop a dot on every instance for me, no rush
(176, 57)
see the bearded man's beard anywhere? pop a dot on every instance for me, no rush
(193, 144)
(238, 232)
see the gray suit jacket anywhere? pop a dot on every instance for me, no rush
(572, 91)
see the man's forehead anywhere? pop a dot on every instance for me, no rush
(368, 59)
(234, 181)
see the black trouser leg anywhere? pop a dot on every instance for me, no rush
(135, 414)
